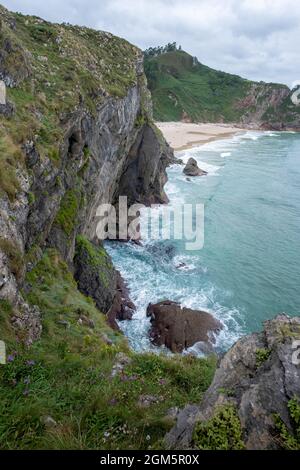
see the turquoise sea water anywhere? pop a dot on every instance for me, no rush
(249, 268)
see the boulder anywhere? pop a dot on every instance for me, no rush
(192, 169)
(179, 328)
(258, 376)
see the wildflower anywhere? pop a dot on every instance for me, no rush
(26, 380)
(132, 378)
(26, 392)
(113, 401)
(10, 358)
(106, 434)
(162, 381)
(30, 362)
(148, 437)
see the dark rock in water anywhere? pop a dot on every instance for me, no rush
(95, 275)
(180, 328)
(163, 251)
(192, 169)
(97, 278)
(181, 266)
(258, 377)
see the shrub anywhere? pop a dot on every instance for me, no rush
(221, 432)
(262, 356)
(290, 441)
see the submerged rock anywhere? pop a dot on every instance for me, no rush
(192, 169)
(258, 377)
(180, 328)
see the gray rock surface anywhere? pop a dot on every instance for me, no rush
(192, 169)
(257, 388)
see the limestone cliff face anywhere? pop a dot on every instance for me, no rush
(76, 131)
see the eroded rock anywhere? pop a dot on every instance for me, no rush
(192, 169)
(257, 376)
(180, 328)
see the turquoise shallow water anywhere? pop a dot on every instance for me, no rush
(249, 268)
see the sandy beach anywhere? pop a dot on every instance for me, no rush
(181, 135)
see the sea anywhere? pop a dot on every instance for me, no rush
(248, 269)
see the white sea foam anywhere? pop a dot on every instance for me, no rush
(152, 276)
(225, 154)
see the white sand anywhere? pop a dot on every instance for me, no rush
(181, 135)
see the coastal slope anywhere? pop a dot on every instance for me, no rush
(76, 130)
(184, 89)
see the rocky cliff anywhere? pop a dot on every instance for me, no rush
(76, 131)
(185, 89)
(254, 399)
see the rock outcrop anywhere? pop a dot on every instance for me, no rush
(258, 376)
(192, 169)
(179, 328)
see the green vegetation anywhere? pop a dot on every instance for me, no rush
(262, 355)
(31, 198)
(67, 376)
(54, 69)
(221, 432)
(10, 159)
(14, 255)
(290, 441)
(183, 88)
(96, 258)
(67, 215)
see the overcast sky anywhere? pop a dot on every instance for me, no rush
(258, 39)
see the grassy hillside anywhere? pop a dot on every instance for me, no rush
(62, 392)
(51, 69)
(180, 86)
(184, 89)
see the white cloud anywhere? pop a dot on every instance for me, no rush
(257, 39)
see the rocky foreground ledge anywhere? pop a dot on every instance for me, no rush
(253, 401)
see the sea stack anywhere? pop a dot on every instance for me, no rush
(180, 328)
(192, 169)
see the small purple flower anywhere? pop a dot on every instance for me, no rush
(26, 380)
(30, 363)
(26, 392)
(162, 381)
(132, 378)
(10, 358)
(113, 401)
(124, 378)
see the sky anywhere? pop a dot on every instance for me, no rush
(257, 39)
